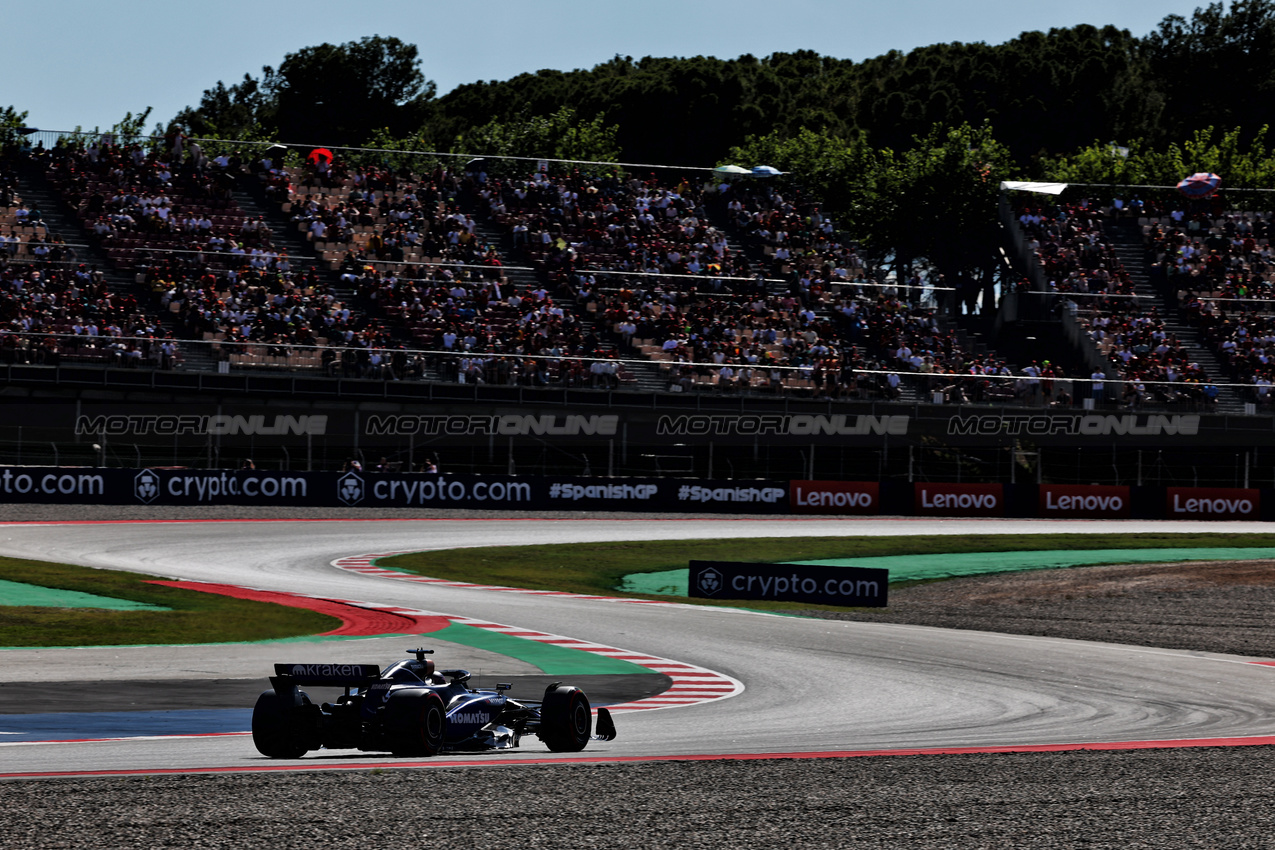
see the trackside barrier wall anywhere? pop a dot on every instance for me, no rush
(164, 487)
(193, 487)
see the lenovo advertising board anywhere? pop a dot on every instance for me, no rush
(1212, 503)
(854, 587)
(1087, 501)
(959, 499)
(834, 497)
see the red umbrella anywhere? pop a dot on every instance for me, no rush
(1202, 184)
(320, 153)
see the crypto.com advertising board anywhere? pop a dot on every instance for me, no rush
(67, 485)
(818, 584)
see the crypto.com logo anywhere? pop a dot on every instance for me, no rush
(146, 486)
(349, 489)
(709, 581)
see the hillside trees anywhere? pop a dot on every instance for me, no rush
(560, 135)
(327, 94)
(671, 111)
(1244, 160)
(935, 200)
(1218, 67)
(1047, 93)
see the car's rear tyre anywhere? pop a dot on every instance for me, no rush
(415, 721)
(566, 723)
(278, 725)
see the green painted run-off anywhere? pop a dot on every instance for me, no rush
(952, 565)
(552, 660)
(15, 593)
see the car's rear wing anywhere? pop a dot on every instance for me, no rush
(338, 675)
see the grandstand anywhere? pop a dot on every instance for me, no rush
(151, 268)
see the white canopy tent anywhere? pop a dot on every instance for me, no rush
(1026, 186)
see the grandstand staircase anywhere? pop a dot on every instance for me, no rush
(35, 190)
(61, 220)
(1126, 240)
(646, 377)
(251, 199)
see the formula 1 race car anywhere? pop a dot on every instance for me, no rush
(410, 710)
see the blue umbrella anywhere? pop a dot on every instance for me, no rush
(765, 171)
(1202, 184)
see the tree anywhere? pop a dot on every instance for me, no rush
(1044, 91)
(938, 200)
(823, 165)
(935, 201)
(11, 122)
(131, 126)
(1241, 158)
(1218, 66)
(559, 135)
(237, 112)
(341, 94)
(337, 95)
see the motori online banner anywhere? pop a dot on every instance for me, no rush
(451, 422)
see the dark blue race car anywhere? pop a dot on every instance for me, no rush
(409, 709)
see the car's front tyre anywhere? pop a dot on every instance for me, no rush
(566, 721)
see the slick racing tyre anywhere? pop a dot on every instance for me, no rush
(415, 721)
(280, 724)
(565, 720)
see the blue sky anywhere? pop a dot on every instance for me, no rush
(75, 63)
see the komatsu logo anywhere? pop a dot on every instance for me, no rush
(1091, 425)
(479, 717)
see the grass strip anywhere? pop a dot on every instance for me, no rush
(917, 569)
(191, 617)
(600, 568)
(588, 568)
